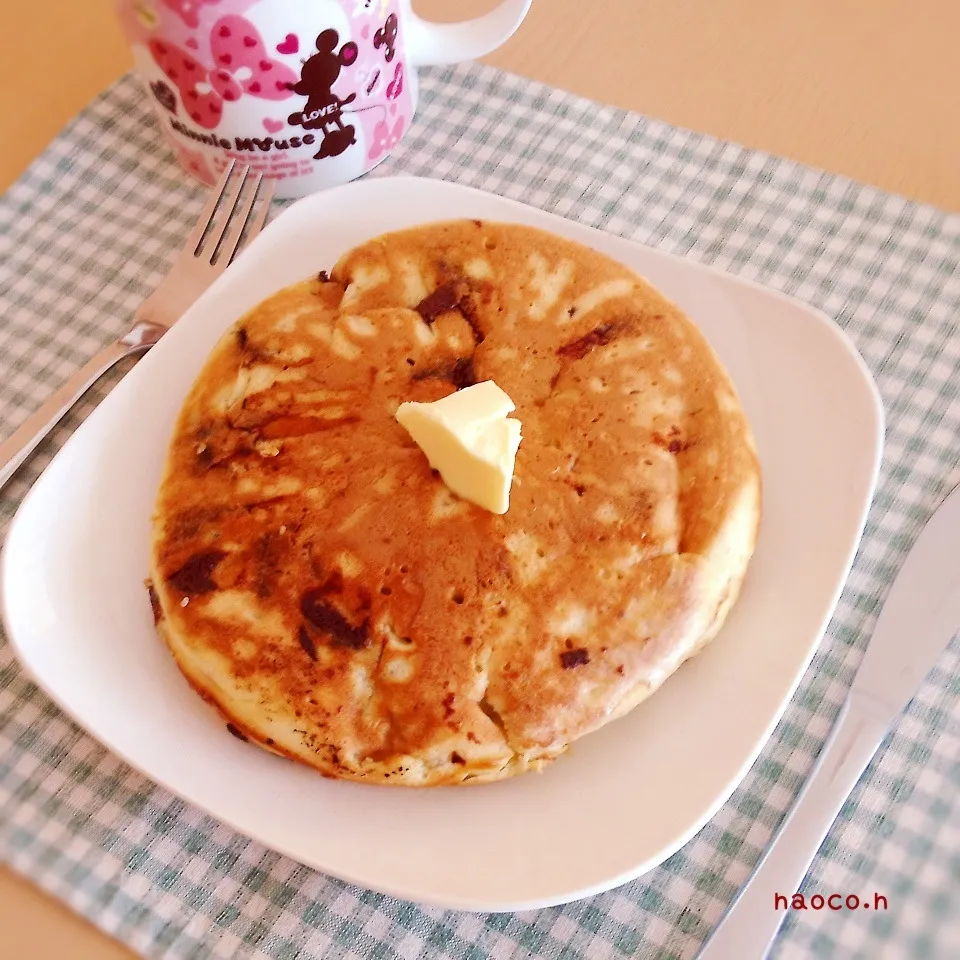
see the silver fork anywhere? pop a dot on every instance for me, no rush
(229, 219)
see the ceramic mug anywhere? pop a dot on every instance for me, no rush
(311, 92)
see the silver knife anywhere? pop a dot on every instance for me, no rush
(920, 616)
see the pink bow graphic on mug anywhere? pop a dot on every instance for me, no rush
(241, 65)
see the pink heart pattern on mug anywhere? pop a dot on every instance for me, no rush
(289, 44)
(235, 42)
(272, 126)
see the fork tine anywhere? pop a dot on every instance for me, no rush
(211, 253)
(205, 219)
(247, 220)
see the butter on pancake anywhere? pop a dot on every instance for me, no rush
(340, 605)
(469, 440)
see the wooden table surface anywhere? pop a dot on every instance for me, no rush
(871, 91)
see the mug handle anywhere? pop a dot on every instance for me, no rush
(430, 43)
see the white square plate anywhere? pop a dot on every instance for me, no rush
(624, 798)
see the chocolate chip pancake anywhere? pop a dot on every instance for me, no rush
(320, 585)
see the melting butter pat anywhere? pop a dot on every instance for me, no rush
(470, 440)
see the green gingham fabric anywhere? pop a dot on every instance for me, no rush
(86, 234)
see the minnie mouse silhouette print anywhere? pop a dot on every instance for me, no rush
(324, 108)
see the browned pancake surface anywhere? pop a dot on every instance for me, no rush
(323, 588)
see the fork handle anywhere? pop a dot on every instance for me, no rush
(751, 922)
(16, 448)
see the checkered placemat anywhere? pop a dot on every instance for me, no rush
(85, 235)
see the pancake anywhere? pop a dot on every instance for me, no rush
(322, 587)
